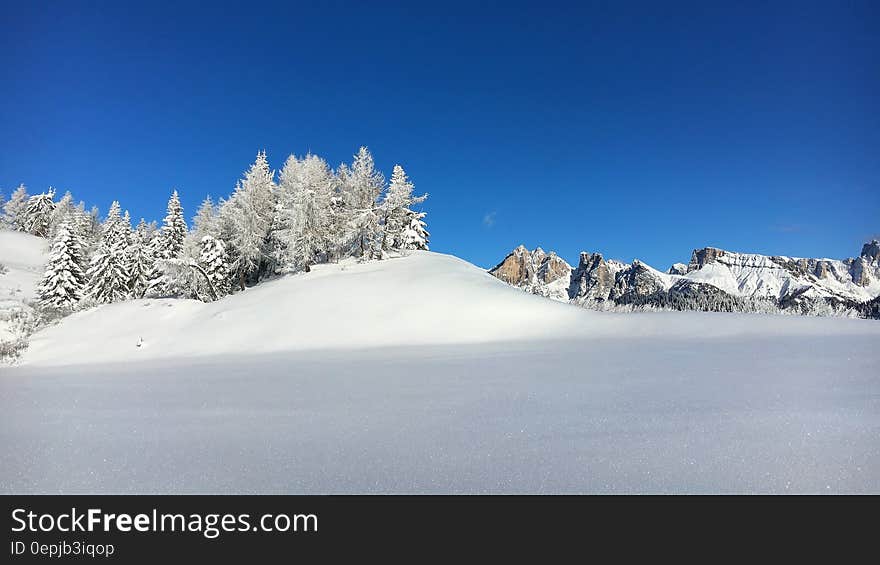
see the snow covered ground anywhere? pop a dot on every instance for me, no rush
(425, 374)
(23, 256)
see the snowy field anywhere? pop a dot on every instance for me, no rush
(424, 374)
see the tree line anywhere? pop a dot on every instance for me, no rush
(268, 226)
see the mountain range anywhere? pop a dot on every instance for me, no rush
(713, 280)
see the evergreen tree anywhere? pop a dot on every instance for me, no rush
(173, 231)
(397, 216)
(250, 211)
(305, 191)
(361, 191)
(214, 263)
(62, 284)
(165, 247)
(108, 271)
(94, 225)
(14, 209)
(81, 223)
(416, 236)
(64, 208)
(337, 217)
(108, 277)
(281, 231)
(140, 260)
(205, 220)
(125, 227)
(312, 210)
(38, 213)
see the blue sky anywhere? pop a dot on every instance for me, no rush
(641, 130)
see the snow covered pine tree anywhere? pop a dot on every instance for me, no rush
(416, 236)
(167, 247)
(249, 212)
(397, 215)
(108, 273)
(361, 190)
(213, 262)
(62, 284)
(140, 260)
(38, 213)
(14, 209)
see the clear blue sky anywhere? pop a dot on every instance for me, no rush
(639, 129)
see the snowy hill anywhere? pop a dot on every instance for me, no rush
(23, 257)
(714, 279)
(422, 299)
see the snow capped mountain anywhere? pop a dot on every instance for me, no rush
(714, 279)
(785, 278)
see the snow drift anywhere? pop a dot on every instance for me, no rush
(23, 257)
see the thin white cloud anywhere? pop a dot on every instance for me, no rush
(489, 219)
(788, 228)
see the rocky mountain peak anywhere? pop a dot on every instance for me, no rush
(733, 282)
(871, 250)
(704, 256)
(678, 269)
(516, 268)
(535, 271)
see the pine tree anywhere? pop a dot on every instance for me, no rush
(173, 231)
(81, 223)
(214, 262)
(38, 213)
(396, 212)
(108, 271)
(14, 209)
(108, 278)
(155, 285)
(250, 211)
(303, 224)
(165, 247)
(62, 284)
(281, 231)
(363, 186)
(416, 236)
(125, 227)
(337, 217)
(64, 208)
(205, 220)
(225, 232)
(94, 226)
(140, 260)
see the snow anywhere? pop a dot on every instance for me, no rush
(604, 415)
(425, 374)
(719, 276)
(424, 298)
(666, 280)
(759, 276)
(24, 257)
